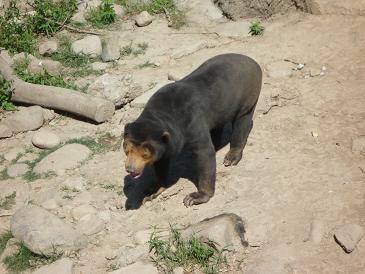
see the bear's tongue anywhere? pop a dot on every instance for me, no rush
(135, 175)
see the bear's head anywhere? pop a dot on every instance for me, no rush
(144, 144)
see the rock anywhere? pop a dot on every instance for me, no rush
(22, 56)
(66, 157)
(120, 89)
(279, 69)
(78, 183)
(81, 211)
(62, 266)
(79, 17)
(233, 29)
(174, 76)
(138, 267)
(5, 131)
(48, 48)
(143, 19)
(141, 101)
(90, 224)
(99, 66)
(111, 49)
(358, 145)
(88, 4)
(25, 119)
(38, 66)
(227, 230)
(337, 7)
(316, 231)
(90, 45)
(5, 55)
(188, 49)
(17, 170)
(43, 232)
(347, 236)
(119, 10)
(129, 255)
(45, 139)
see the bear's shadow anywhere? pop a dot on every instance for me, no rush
(182, 166)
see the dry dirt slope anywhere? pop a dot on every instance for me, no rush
(298, 165)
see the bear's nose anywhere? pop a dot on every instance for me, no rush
(130, 169)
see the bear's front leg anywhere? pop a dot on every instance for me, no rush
(206, 164)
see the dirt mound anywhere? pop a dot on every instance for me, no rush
(236, 9)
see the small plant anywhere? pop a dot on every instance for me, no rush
(187, 253)
(8, 201)
(25, 259)
(256, 28)
(4, 238)
(103, 15)
(5, 94)
(15, 34)
(130, 49)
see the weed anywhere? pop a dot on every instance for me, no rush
(15, 34)
(187, 253)
(127, 50)
(4, 238)
(4, 175)
(50, 16)
(140, 49)
(147, 64)
(69, 192)
(136, 50)
(25, 259)
(8, 201)
(102, 15)
(256, 28)
(45, 78)
(5, 94)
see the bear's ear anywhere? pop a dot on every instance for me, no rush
(166, 137)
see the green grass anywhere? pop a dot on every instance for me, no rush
(102, 15)
(8, 201)
(187, 253)
(256, 28)
(25, 259)
(5, 94)
(45, 78)
(4, 238)
(137, 49)
(98, 145)
(69, 192)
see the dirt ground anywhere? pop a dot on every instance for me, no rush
(298, 165)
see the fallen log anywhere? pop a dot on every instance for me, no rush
(94, 108)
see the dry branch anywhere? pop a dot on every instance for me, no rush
(57, 98)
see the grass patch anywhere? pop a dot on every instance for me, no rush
(25, 259)
(131, 49)
(256, 28)
(102, 15)
(5, 94)
(101, 144)
(45, 78)
(8, 201)
(4, 238)
(69, 192)
(189, 254)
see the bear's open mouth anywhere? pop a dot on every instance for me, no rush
(135, 175)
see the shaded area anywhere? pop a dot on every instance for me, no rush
(182, 166)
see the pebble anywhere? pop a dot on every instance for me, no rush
(90, 224)
(48, 48)
(143, 19)
(45, 139)
(348, 236)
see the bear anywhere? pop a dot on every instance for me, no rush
(224, 89)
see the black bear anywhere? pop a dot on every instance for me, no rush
(182, 114)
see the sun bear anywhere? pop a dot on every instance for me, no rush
(224, 89)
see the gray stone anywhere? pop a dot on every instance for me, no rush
(358, 145)
(79, 17)
(39, 66)
(90, 45)
(279, 69)
(62, 266)
(48, 48)
(138, 267)
(90, 224)
(17, 170)
(99, 65)
(143, 19)
(129, 255)
(45, 139)
(22, 56)
(5, 131)
(43, 232)
(120, 89)
(111, 49)
(174, 76)
(233, 29)
(81, 211)
(66, 157)
(25, 119)
(348, 236)
(142, 100)
(227, 230)
(78, 183)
